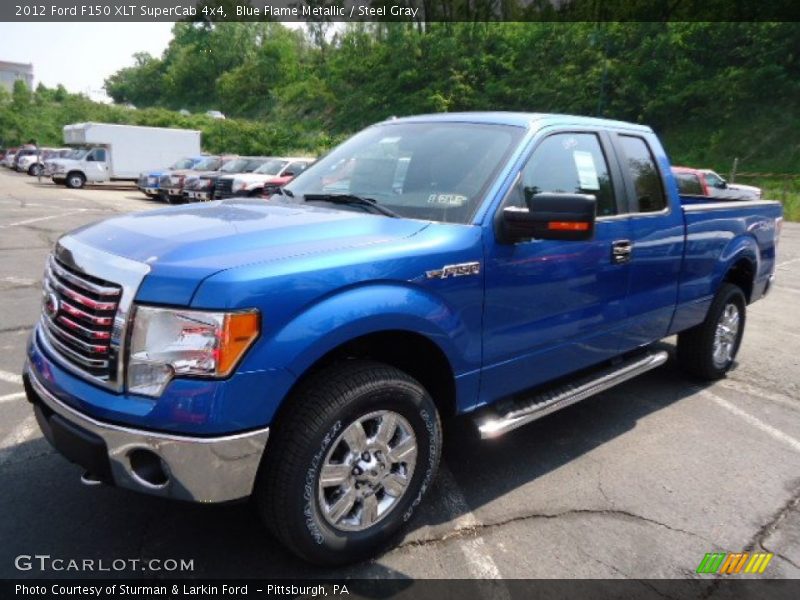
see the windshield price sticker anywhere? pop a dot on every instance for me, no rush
(587, 172)
(447, 199)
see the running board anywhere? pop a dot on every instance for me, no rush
(523, 410)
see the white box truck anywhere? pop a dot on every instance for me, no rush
(105, 152)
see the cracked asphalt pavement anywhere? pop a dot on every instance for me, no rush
(638, 482)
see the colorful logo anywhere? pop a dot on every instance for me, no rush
(731, 564)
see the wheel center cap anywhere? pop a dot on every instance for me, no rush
(371, 470)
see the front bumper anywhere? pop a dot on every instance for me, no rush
(199, 469)
(151, 191)
(197, 195)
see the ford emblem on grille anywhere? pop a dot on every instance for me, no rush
(51, 305)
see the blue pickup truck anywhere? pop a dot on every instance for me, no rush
(304, 350)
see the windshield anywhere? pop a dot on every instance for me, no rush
(253, 164)
(234, 166)
(210, 163)
(431, 171)
(78, 153)
(271, 167)
(184, 163)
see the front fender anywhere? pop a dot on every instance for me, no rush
(371, 308)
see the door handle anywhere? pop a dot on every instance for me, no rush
(621, 251)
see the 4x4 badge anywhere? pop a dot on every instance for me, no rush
(459, 270)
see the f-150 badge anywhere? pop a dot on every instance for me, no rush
(459, 270)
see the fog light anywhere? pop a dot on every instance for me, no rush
(148, 467)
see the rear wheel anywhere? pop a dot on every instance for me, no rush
(75, 180)
(708, 350)
(35, 170)
(349, 462)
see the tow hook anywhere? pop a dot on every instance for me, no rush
(90, 479)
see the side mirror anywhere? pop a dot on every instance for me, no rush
(550, 216)
(722, 184)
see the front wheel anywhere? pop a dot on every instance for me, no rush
(707, 351)
(349, 462)
(75, 181)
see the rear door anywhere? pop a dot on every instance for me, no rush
(553, 307)
(657, 239)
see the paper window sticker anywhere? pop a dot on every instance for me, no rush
(587, 172)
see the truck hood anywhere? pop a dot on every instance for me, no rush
(185, 244)
(64, 162)
(249, 178)
(744, 188)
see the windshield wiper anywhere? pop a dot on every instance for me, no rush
(351, 199)
(283, 192)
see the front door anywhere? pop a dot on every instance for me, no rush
(553, 307)
(96, 168)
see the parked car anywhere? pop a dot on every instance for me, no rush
(27, 150)
(149, 183)
(172, 183)
(215, 114)
(274, 173)
(119, 152)
(704, 182)
(8, 158)
(305, 350)
(201, 187)
(33, 164)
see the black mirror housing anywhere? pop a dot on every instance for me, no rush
(550, 216)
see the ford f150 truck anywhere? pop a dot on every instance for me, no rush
(274, 173)
(305, 350)
(149, 182)
(201, 186)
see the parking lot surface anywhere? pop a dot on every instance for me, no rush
(638, 482)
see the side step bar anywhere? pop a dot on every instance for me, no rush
(526, 409)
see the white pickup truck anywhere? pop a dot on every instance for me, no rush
(107, 152)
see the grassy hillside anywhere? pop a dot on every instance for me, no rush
(766, 141)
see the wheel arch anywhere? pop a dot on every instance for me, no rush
(739, 264)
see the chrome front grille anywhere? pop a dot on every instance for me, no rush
(78, 317)
(224, 187)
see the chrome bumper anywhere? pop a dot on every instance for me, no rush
(202, 196)
(217, 469)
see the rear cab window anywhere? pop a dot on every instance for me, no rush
(639, 164)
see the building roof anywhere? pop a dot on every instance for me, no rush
(7, 65)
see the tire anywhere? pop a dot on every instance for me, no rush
(707, 351)
(313, 432)
(75, 180)
(35, 170)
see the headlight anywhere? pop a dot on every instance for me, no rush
(169, 343)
